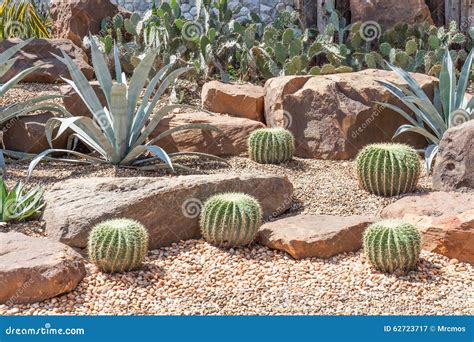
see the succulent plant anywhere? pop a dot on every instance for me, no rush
(230, 219)
(118, 245)
(271, 145)
(388, 169)
(392, 245)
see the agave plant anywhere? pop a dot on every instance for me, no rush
(22, 19)
(449, 108)
(119, 131)
(19, 204)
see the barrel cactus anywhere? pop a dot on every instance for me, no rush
(271, 145)
(392, 245)
(230, 219)
(118, 245)
(388, 169)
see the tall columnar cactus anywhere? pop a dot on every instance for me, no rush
(271, 145)
(118, 245)
(388, 169)
(230, 219)
(392, 245)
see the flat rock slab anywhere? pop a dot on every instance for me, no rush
(168, 207)
(321, 236)
(34, 269)
(445, 220)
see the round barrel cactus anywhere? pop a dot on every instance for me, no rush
(388, 169)
(118, 245)
(392, 245)
(271, 145)
(230, 219)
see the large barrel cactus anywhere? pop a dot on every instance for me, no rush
(271, 145)
(392, 245)
(118, 245)
(388, 169)
(230, 219)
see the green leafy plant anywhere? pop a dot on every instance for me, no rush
(388, 169)
(271, 145)
(119, 131)
(231, 219)
(392, 245)
(118, 245)
(23, 19)
(19, 204)
(449, 107)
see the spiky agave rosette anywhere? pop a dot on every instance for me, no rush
(230, 219)
(118, 245)
(271, 145)
(388, 169)
(392, 245)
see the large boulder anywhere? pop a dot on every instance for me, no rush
(321, 236)
(388, 13)
(40, 51)
(232, 143)
(34, 269)
(168, 207)
(454, 167)
(334, 116)
(73, 102)
(241, 100)
(445, 220)
(75, 19)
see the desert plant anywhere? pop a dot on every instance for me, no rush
(118, 245)
(20, 204)
(388, 169)
(450, 105)
(230, 219)
(271, 145)
(392, 245)
(118, 131)
(22, 19)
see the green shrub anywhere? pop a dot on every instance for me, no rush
(388, 169)
(19, 204)
(271, 145)
(118, 245)
(392, 245)
(231, 219)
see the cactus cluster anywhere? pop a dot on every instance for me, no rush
(118, 245)
(271, 145)
(388, 169)
(230, 219)
(392, 245)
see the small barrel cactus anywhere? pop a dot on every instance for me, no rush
(118, 245)
(271, 145)
(388, 169)
(392, 245)
(230, 219)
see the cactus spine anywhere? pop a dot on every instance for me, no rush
(271, 145)
(392, 245)
(231, 219)
(118, 245)
(388, 169)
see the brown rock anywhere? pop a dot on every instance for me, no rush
(74, 19)
(334, 116)
(168, 207)
(445, 220)
(73, 102)
(321, 236)
(27, 134)
(40, 51)
(454, 167)
(232, 143)
(388, 12)
(241, 100)
(35, 269)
